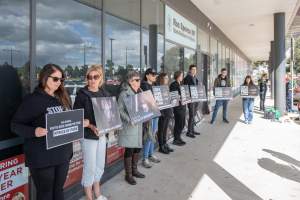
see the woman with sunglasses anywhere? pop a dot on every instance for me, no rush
(94, 144)
(48, 168)
(164, 119)
(131, 136)
(179, 111)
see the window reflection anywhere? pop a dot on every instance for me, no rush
(174, 57)
(69, 34)
(14, 60)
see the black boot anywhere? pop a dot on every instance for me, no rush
(168, 148)
(128, 171)
(135, 171)
(163, 149)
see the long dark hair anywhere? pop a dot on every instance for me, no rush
(251, 81)
(61, 92)
(161, 77)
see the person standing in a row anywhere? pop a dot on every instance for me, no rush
(191, 79)
(263, 87)
(179, 111)
(164, 120)
(248, 103)
(93, 144)
(48, 168)
(149, 127)
(131, 135)
(221, 81)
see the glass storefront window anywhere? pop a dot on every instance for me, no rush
(174, 56)
(153, 31)
(122, 39)
(14, 60)
(219, 56)
(189, 58)
(69, 35)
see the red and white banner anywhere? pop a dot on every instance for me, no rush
(13, 179)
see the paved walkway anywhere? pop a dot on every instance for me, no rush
(228, 161)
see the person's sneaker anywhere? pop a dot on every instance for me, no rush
(146, 163)
(169, 148)
(191, 135)
(178, 143)
(154, 159)
(246, 122)
(211, 122)
(225, 121)
(196, 133)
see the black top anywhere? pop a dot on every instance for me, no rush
(29, 116)
(222, 82)
(83, 100)
(263, 85)
(175, 86)
(190, 80)
(146, 86)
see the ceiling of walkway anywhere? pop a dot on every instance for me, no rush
(249, 23)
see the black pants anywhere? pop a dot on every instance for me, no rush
(163, 123)
(262, 96)
(49, 181)
(179, 115)
(192, 113)
(130, 151)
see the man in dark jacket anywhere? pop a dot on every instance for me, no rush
(191, 79)
(221, 81)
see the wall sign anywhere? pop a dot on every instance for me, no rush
(179, 29)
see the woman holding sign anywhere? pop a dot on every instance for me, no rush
(48, 168)
(164, 119)
(248, 102)
(131, 136)
(94, 144)
(179, 111)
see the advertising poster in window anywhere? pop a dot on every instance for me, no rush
(76, 165)
(64, 127)
(162, 96)
(223, 93)
(107, 114)
(14, 178)
(198, 93)
(141, 107)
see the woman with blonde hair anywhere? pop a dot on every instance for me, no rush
(93, 144)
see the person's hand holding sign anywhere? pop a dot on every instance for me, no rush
(94, 129)
(86, 123)
(40, 132)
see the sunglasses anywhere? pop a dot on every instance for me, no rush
(56, 79)
(95, 77)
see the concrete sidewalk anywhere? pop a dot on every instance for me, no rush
(228, 161)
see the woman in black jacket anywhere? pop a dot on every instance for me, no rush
(93, 145)
(48, 168)
(164, 119)
(179, 111)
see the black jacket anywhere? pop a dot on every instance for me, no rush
(146, 86)
(263, 85)
(188, 80)
(83, 100)
(29, 116)
(175, 86)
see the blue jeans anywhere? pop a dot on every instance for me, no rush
(248, 104)
(218, 104)
(149, 144)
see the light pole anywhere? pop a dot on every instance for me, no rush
(111, 49)
(11, 54)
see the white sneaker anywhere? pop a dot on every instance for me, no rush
(146, 163)
(101, 197)
(154, 159)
